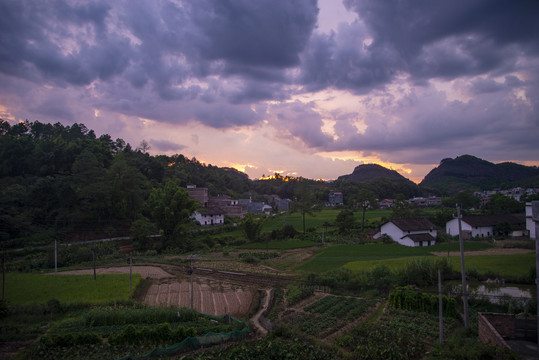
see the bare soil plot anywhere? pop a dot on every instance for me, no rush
(209, 296)
(146, 272)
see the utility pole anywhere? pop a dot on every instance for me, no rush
(4, 275)
(191, 258)
(463, 271)
(440, 307)
(93, 260)
(130, 275)
(191, 271)
(535, 217)
(55, 258)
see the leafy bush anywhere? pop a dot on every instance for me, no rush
(104, 317)
(424, 271)
(406, 298)
(161, 334)
(295, 293)
(463, 346)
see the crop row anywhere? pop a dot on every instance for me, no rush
(345, 308)
(396, 335)
(105, 317)
(330, 314)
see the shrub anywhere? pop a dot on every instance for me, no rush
(295, 294)
(407, 299)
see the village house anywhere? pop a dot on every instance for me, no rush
(486, 225)
(229, 206)
(278, 203)
(335, 198)
(385, 204)
(411, 232)
(209, 216)
(530, 224)
(198, 194)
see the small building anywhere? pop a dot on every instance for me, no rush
(198, 194)
(335, 198)
(411, 232)
(485, 225)
(230, 207)
(209, 216)
(278, 203)
(259, 208)
(385, 204)
(530, 224)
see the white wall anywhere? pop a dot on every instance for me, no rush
(406, 241)
(396, 234)
(452, 228)
(206, 220)
(530, 224)
(392, 230)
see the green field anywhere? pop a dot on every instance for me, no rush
(511, 266)
(338, 255)
(318, 219)
(25, 289)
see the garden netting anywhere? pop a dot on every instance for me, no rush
(194, 343)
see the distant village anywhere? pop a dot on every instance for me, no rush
(408, 232)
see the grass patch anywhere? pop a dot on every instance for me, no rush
(280, 245)
(393, 264)
(336, 256)
(25, 289)
(508, 266)
(512, 266)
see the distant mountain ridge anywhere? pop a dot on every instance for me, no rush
(385, 183)
(367, 172)
(465, 172)
(468, 172)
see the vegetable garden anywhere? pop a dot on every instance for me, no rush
(328, 315)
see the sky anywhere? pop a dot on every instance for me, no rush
(302, 88)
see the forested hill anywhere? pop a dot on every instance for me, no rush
(372, 171)
(468, 172)
(383, 182)
(57, 179)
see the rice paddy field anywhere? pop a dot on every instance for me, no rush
(368, 255)
(26, 289)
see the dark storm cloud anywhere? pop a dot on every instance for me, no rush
(426, 39)
(165, 146)
(345, 61)
(254, 33)
(448, 39)
(34, 47)
(157, 46)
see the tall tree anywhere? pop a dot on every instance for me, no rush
(345, 221)
(401, 208)
(252, 227)
(171, 207)
(365, 199)
(305, 202)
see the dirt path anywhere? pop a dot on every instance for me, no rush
(147, 272)
(263, 308)
(492, 251)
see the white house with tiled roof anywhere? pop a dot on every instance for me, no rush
(209, 216)
(411, 232)
(485, 225)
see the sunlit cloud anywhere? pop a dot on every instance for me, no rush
(311, 88)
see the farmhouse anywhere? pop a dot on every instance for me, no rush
(513, 225)
(209, 216)
(411, 232)
(335, 198)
